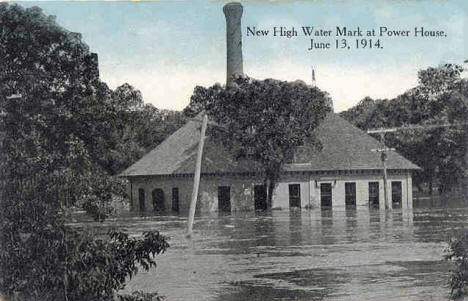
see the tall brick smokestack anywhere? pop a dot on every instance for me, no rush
(233, 13)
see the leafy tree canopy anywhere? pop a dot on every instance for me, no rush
(263, 120)
(440, 98)
(61, 140)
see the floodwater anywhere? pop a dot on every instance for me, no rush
(359, 254)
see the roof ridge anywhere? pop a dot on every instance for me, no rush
(344, 147)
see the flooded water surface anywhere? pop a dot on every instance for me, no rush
(302, 255)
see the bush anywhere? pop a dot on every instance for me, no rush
(75, 265)
(458, 254)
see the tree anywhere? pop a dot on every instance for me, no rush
(263, 120)
(440, 98)
(55, 138)
(138, 128)
(457, 252)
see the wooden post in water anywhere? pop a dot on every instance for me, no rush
(383, 157)
(425, 127)
(196, 176)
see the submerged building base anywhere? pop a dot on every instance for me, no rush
(231, 192)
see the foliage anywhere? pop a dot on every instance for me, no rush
(434, 81)
(458, 254)
(263, 120)
(100, 267)
(57, 76)
(64, 264)
(26, 51)
(60, 144)
(440, 98)
(139, 127)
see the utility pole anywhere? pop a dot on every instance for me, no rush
(196, 176)
(384, 150)
(196, 181)
(383, 156)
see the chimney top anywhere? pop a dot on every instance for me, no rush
(230, 5)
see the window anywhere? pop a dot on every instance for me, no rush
(326, 194)
(374, 194)
(224, 198)
(175, 199)
(141, 199)
(132, 204)
(158, 200)
(295, 195)
(396, 194)
(350, 194)
(260, 197)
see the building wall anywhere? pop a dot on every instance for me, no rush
(310, 189)
(242, 190)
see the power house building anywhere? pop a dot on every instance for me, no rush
(346, 172)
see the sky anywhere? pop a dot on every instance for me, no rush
(166, 48)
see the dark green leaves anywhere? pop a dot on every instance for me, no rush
(458, 254)
(440, 98)
(262, 120)
(61, 142)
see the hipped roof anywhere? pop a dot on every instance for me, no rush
(344, 147)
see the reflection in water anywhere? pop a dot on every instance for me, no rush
(326, 228)
(351, 225)
(360, 254)
(327, 218)
(295, 228)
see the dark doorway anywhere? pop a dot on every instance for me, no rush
(295, 195)
(141, 199)
(396, 194)
(175, 199)
(374, 194)
(350, 194)
(260, 197)
(326, 194)
(224, 198)
(158, 200)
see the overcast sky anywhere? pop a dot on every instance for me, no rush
(165, 49)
